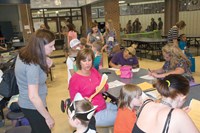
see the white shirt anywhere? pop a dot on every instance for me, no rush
(69, 63)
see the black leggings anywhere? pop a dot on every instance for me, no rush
(36, 120)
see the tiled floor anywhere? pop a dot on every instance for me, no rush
(57, 90)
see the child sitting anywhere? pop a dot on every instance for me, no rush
(183, 42)
(130, 97)
(96, 47)
(80, 114)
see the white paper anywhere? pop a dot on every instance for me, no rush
(147, 77)
(136, 70)
(113, 69)
(115, 83)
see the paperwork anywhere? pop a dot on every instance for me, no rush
(100, 87)
(194, 112)
(136, 70)
(147, 77)
(115, 83)
(145, 86)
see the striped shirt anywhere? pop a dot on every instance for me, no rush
(172, 34)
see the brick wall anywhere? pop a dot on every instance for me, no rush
(111, 8)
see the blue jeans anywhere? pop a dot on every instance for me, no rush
(107, 116)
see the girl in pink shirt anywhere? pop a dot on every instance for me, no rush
(85, 81)
(72, 34)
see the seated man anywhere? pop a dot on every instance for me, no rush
(126, 57)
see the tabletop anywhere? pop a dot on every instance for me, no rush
(194, 92)
(134, 80)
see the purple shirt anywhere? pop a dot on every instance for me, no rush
(118, 59)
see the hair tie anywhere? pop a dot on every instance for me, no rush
(168, 82)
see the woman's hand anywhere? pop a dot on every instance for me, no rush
(50, 122)
(156, 75)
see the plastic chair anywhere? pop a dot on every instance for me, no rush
(15, 116)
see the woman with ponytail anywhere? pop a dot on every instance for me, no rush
(166, 115)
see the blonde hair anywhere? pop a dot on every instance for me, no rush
(132, 50)
(127, 94)
(181, 24)
(110, 25)
(176, 55)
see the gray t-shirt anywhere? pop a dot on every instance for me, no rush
(30, 75)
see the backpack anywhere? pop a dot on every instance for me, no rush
(8, 85)
(126, 72)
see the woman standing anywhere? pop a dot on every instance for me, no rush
(110, 38)
(95, 35)
(174, 32)
(72, 34)
(85, 81)
(31, 70)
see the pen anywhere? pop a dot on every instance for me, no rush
(149, 70)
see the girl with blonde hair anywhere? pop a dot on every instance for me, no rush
(110, 38)
(130, 97)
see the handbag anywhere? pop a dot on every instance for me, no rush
(126, 72)
(8, 85)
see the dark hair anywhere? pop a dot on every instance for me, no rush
(172, 85)
(71, 27)
(82, 55)
(34, 51)
(181, 36)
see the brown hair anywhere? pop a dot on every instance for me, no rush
(93, 24)
(34, 51)
(83, 41)
(98, 45)
(127, 93)
(71, 27)
(82, 55)
(83, 106)
(172, 85)
(181, 24)
(176, 55)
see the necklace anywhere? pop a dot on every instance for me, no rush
(166, 103)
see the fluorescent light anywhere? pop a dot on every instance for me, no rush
(121, 1)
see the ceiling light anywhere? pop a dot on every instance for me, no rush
(121, 1)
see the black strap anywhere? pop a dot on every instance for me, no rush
(167, 122)
(144, 103)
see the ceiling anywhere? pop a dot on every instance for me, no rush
(77, 3)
